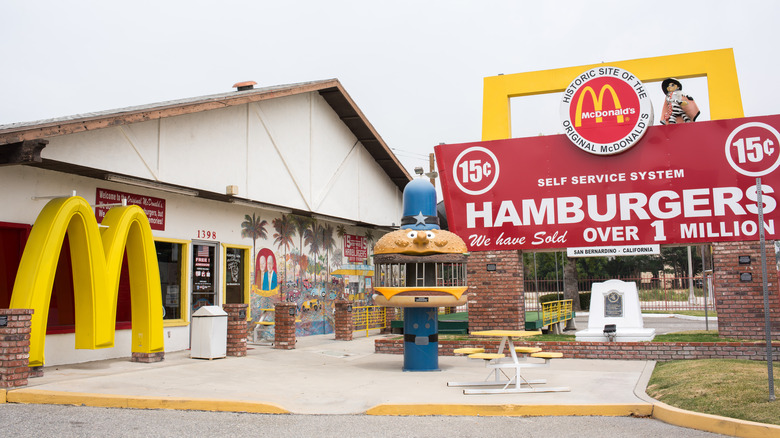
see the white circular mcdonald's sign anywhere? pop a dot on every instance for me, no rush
(606, 110)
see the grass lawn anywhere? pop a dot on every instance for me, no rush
(729, 388)
(690, 336)
(710, 313)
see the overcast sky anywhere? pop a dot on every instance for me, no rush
(415, 68)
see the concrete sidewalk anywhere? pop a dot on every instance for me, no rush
(325, 376)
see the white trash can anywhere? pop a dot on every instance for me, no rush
(209, 333)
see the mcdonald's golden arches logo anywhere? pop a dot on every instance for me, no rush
(97, 264)
(606, 110)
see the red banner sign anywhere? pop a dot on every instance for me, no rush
(685, 183)
(154, 208)
(355, 248)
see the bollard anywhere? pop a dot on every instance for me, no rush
(345, 325)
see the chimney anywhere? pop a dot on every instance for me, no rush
(243, 86)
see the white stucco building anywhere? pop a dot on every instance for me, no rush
(251, 195)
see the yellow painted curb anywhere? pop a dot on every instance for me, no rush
(37, 396)
(713, 423)
(613, 410)
(2, 395)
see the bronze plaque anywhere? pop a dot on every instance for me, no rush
(613, 305)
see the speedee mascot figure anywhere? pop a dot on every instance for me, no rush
(420, 267)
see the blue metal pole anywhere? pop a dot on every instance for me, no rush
(421, 339)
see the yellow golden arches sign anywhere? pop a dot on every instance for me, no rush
(598, 102)
(97, 264)
(717, 66)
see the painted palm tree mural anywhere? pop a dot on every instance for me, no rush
(313, 238)
(285, 230)
(301, 223)
(254, 228)
(328, 244)
(311, 249)
(370, 242)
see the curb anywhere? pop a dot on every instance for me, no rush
(713, 423)
(653, 408)
(615, 410)
(695, 420)
(37, 396)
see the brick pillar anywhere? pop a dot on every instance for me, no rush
(15, 328)
(148, 357)
(739, 291)
(284, 326)
(389, 317)
(236, 330)
(345, 325)
(495, 297)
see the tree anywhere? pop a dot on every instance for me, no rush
(253, 228)
(283, 238)
(571, 283)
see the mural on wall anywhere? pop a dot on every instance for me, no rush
(265, 272)
(293, 260)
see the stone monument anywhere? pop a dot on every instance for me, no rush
(615, 314)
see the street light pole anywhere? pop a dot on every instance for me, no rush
(767, 328)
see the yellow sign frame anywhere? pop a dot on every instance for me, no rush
(718, 66)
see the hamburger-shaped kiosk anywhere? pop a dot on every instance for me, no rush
(420, 268)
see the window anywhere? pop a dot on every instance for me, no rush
(13, 237)
(204, 275)
(171, 257)
(236, 275)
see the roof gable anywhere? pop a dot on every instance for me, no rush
(331, 90)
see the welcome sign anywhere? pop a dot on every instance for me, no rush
(686, 183)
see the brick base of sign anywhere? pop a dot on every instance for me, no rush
(148, 357)
(15, 328)
(739, 290)
(237, 329)
(284, 326)
(390, 313)
(343, 320)
(659, 351)
(495, 280)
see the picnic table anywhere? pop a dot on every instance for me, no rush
(498, 363)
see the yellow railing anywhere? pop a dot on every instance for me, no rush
(556, 311)
(368, 318)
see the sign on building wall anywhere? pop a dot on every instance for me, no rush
(685, 183)
(154, 208)
(355, 248)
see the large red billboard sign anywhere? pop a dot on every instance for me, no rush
(685, 183)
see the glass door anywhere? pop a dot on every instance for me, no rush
(204, 275)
